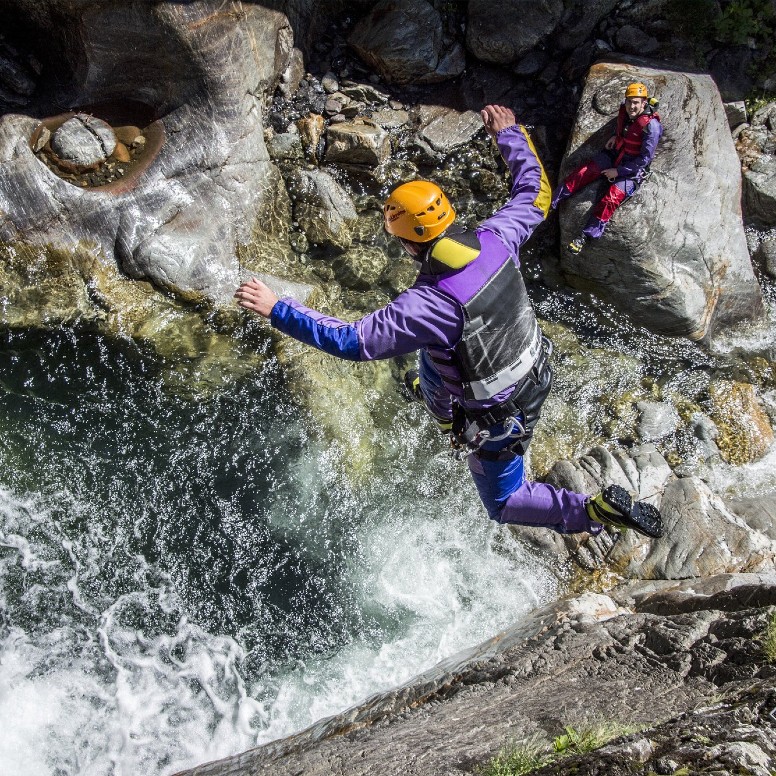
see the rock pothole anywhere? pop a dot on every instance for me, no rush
(98, 147)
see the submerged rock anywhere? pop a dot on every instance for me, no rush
(322, 208)
(675, 255)
(311, 129)
(745, 433)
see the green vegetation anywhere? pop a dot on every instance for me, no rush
(745, 19)
(518, 759)
(709, 23)
(523, 757)
(769, 640)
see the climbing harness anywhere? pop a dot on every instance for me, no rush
(518, 416)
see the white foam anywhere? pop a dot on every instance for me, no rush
(94, 695)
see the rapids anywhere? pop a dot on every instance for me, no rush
(182, 580)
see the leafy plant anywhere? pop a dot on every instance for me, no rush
(524, 757)
(744, 19)
(574, 742)
(517, 759)
(769, 640)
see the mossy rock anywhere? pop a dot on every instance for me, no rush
(745, 433)
(48, 287)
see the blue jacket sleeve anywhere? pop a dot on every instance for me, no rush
(331, 335)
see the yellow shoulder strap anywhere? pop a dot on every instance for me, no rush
(544, 198)
(454, 254)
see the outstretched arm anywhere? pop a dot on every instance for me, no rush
(418, 317)
(531, 194)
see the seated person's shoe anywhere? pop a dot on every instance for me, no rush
(614, 507)
(577, 244)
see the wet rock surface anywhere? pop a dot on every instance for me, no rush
(756, 145)
(702, 536)
(635, 659)
(212, 159)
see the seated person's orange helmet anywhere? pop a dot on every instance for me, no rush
(418, 211)
(636, 90)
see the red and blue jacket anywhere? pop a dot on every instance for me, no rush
(636, 142)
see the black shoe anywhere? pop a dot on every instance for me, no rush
(614, 507)
(577, 244)
(412, 386)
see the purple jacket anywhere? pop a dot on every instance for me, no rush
(424, 316)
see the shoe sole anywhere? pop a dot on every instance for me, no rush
(639, 516)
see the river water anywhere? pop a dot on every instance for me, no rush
(181, 580)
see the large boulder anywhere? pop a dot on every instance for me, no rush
(504, 32)
(202, 75)
(674, 256)
(580, 18)
(756, 145)
(403, 41)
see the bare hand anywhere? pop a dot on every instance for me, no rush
(496, 118)
(610, 143)
(256, 296)
(610, 173)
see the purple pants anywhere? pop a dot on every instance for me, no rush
(503, 489)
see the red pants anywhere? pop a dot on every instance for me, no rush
(616, 194)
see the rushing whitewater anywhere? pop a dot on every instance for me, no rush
(181, 582)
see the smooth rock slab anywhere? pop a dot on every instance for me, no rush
(702, 535)
(573, 663)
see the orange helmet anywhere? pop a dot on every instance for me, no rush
(417, 211)
(636, 90)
